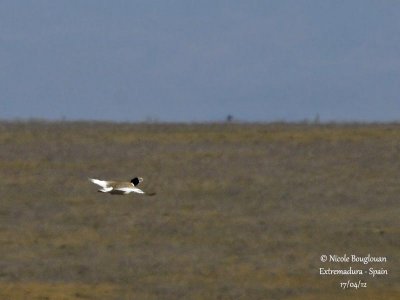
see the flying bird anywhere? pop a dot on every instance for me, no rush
(120, 187)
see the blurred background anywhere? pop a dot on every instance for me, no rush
(200, 60)
(242, 211)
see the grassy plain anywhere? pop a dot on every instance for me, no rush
(242, 211)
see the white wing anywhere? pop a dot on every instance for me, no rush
(102, 183)
(106, 190)
(128, 190)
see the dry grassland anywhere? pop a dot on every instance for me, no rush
(242, 211)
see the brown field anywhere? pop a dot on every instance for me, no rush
(242, 211)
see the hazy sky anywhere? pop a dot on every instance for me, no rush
(200, 60)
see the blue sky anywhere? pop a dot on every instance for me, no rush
(200, 60)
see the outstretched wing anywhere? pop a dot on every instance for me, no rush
(106, 190)
(127, 190)
(104, 184)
